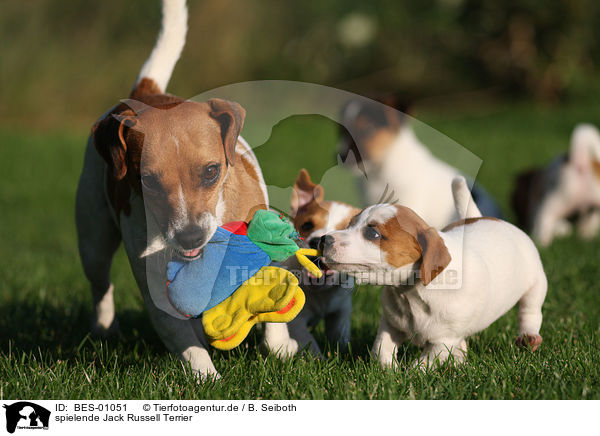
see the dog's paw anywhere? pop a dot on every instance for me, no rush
(197, 360)
(282, 349)
(310, 350)
(390, 364)
(99, 331)
(529, 341)
(202, 376)
(423, 364)
(386, 358)
(563, 229)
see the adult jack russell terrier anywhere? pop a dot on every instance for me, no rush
(195, 174)
(397, 163)
(498, 264)
(546, 200)
(330, 297)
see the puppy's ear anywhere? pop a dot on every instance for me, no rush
(402, 103)
(110, 139)
(435, 254)
(230, 115)
(304, 192)
(596, 168)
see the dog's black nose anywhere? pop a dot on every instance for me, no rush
(314, 243)
(190, 237)
(325, 241)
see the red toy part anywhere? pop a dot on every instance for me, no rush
(236, 227)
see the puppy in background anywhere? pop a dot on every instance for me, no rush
(396, 162)
(441, 286)
(330, 297)
(546, 200)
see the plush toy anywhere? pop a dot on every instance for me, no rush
(232, 287)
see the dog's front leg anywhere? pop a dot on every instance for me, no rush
(563, 228)
(437, 353)
(98, 239)
(277, 340)
(298, 329)
(549, 214)
(337, 326)
(181, 339)
(385, 347)
(588, 224)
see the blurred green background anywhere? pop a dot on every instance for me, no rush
(507, 80)
(64, 62)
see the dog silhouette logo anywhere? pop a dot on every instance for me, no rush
(26, 415)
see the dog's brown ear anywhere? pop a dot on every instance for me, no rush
(109, 135)
(230, 115)
(435, 254)
(305, 191)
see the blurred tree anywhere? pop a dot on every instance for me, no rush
(65, 60)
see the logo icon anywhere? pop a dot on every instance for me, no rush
(26, 415)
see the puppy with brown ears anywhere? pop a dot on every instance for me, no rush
(328, 298)
(441, 286)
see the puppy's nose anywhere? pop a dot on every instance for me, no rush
(190, 237)
(325, 241)
(314, 243)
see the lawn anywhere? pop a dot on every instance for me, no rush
(45, 304)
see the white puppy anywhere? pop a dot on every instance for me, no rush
(398, 164)
(547, 199)
(482, 267)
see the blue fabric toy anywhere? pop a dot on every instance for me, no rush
(232, 285)
(227, 261)
(235, 253)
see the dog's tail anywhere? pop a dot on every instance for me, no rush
(585, 145)
(463, 201)
(171, 39)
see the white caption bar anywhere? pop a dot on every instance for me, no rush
(23, 417)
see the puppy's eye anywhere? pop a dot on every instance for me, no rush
(371, 234)
(307, 226)
(151, 183)
(210, 174)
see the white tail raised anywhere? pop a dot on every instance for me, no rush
(171, 40)
(585, 145)
(463, 201)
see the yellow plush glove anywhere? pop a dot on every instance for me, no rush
(271, 295)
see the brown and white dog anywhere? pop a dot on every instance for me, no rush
(440, 286)
(330, 297)
(160, 174)
(391, 160)
(547, 199)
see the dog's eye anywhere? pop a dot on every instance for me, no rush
(307, 226)
(371, 234)
(210, 174)
(151, 183)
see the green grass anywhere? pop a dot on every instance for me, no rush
(45, 304)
